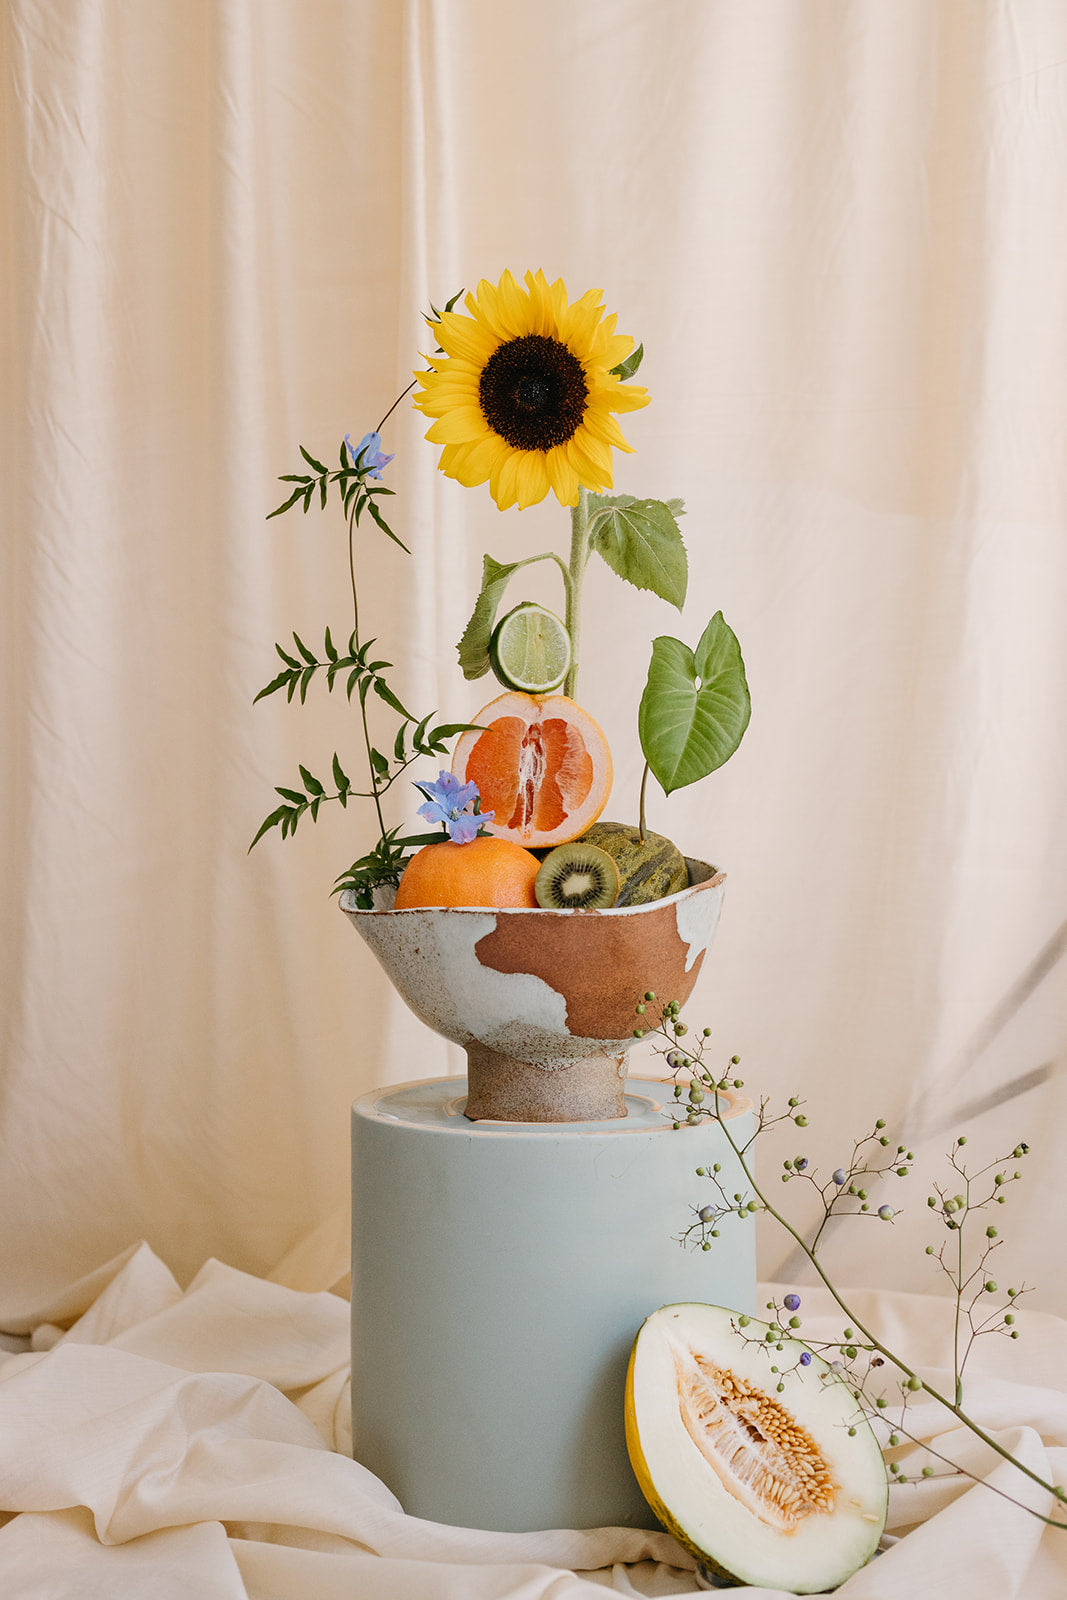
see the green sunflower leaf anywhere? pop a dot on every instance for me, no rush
(627, 368)
(695, 707)
(641, 541)
(473, 648)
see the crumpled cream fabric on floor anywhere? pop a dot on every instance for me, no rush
(196, 1443)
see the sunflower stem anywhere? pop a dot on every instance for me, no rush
(579, 557)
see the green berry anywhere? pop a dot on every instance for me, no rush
(801, 1122)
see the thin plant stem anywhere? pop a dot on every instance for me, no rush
(356, 639)
(394, 405)
(641, 803)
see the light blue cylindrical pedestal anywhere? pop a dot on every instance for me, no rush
(500, 1272)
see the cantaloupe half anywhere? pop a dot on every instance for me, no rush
(763, 1488)
(542, 766)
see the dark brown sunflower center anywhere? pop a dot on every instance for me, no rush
(533, 392)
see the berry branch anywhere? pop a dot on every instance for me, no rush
(858, 1353)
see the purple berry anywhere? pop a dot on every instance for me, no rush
(706, 1213)
(805, 1358)
(792, 1302)
(839, 1176)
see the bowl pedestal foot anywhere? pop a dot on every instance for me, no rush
(502, 1089)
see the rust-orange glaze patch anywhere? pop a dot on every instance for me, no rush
(601, 965)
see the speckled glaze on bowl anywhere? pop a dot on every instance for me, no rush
(543, 1001)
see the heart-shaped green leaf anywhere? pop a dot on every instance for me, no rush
(695, 707)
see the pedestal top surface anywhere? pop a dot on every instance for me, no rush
(437, 1104)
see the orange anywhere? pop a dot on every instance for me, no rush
(542, 766)
(486, 872)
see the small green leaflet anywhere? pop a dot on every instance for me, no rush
(695, 707)
(640, 540)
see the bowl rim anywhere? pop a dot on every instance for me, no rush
(714, 878)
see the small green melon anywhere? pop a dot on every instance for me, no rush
(649, 868)
(783, 1491)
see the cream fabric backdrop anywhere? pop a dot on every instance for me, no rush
(840, 229)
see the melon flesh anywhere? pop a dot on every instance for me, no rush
(764, 1488)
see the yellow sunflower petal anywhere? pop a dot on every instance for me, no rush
(458, 425)
(562, 478)
(464, 337)
(503, 480)
(603, 424)
(531, 478)
(591, 474)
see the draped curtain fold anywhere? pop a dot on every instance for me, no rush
(839, 229)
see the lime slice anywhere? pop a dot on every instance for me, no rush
(530, 649)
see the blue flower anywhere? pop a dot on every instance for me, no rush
(373, 460)
(447, 801)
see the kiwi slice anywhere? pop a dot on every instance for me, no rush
(577, 877)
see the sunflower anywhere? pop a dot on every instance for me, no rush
(524, 392)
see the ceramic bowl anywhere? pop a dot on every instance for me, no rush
(543, 1002)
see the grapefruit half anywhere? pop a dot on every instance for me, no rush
(542, 766)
